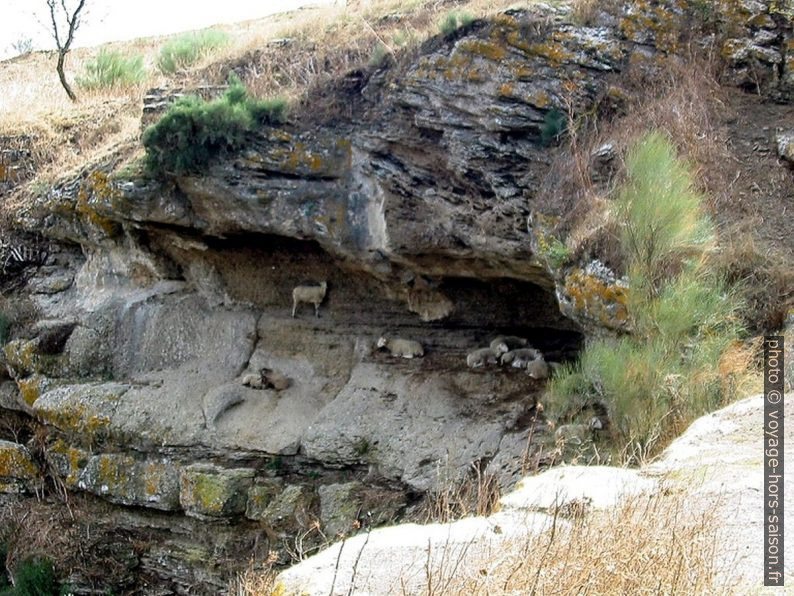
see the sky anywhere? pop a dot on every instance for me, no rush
(116, 20)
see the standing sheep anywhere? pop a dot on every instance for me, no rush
(310, 294)
(480, 357)
(505, 343)
(407, 348)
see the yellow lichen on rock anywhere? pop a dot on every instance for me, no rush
(97, 188)
(31, 388)
(82, 412)
(18, 472)
(488, 50)
(596, 299)
(68, 461)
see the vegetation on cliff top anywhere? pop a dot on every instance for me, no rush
(112, 69)
(187, 49)
(681, 360)
(193, 130)
(285, 54)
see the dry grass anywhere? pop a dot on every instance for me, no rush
(648, 545)
(476, 494)
(584, 11)
(326, 42)
(683, 100)
(765, 276)
(255, 580)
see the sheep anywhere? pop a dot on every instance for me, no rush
(273, 379)
(572, 434)
(578, 433)
(253, 380)
(480, 357)
(538, 369)
(407, 348)
(505, 343)
(596, 423)
(520, 358)
(266, 378)
(311, 294)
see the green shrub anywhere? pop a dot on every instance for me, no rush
(684, 315)
(403, 38)
(667, 227)
(34, 577)
(5, 327)
(192, 131)
(554, 124)
(454, 20)
(557, 254)
(112, 69)
(379, 54)
(186, 49)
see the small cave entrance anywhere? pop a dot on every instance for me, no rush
(506, 306)
(263, 269)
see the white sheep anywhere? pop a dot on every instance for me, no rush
(310, 294)
(266, 378)
(253, 380)
(572, 434)
(505, 343)
(407, 348)
(520, 358)
(538, 369)
(480, 357)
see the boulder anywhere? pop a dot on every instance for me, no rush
(785, 146)
(573, 434)
(260, 496)
(18, 471)
(597, 487)
(347, 507)
(398, 559)
(126, 480)
(209, 491)
(292, 507)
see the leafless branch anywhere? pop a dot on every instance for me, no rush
(72, 24)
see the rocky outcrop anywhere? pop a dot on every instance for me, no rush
(18, 471)
(718, 460)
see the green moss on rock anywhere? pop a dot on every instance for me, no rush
(210, 491)
(260, 496)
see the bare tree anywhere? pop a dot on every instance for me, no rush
(63, 44)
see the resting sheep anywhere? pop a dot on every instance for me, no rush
(310, 294)
(520, 358)
(266, 379)
(505, 343)
(406, 348)
(538, 369)
(480, 357)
